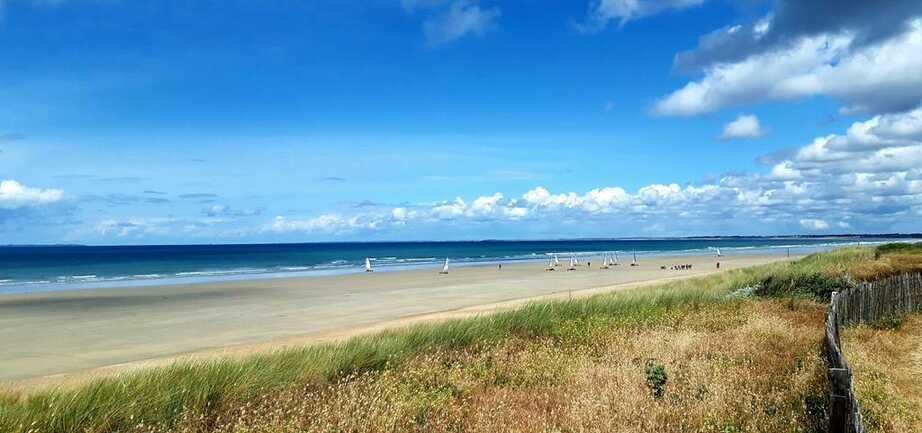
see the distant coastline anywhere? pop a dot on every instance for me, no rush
(915, 235)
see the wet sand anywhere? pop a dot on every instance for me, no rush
(55, 336)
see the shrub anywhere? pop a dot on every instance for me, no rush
(815, 285)
(656, 378)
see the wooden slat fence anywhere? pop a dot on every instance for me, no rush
(882, 299)
(844, 411)
(862, 303)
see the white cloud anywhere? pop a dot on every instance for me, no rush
(146, 227)
(602, 12)
(745, 126)
(326, 223)
(791, 20)
(460, 19)
(867, 178)
(785, 171)
(814, 224)
(485, 205)
(14, 195)
(879, 78)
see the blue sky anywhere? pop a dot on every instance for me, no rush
(195, 122)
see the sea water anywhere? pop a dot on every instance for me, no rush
(44, 268)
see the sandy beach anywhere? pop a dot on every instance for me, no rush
(55, 336)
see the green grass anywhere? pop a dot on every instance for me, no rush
(898, 248)
(165, 396)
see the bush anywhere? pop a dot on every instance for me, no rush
(816, 285)
(656, 378)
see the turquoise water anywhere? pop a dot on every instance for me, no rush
(43, 268)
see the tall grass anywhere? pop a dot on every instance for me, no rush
(164, 396)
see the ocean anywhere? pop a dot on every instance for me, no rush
(46, 268)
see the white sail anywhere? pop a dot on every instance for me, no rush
(617, 261)
(576, 261)
(572, 264)
(368, 265)
(634, 263)
(445, 267)
(556, 260)
(718, 252)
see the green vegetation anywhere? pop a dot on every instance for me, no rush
(818, 275)
(898, 248)
(203, 397)
(656, 378)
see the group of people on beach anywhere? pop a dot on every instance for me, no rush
(678, 267)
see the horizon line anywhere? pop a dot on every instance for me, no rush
(913, 235)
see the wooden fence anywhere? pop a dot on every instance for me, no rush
(844, 411)
(862, 303)
(882, 299)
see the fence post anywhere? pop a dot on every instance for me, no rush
(840, 410)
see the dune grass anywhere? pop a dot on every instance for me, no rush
(818, 275)
(740, 365)
(196, 396)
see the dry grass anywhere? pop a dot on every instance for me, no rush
(887, 363)
(886, 265)
(752, 366)
(887, 260)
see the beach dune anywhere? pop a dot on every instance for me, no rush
(52, 335)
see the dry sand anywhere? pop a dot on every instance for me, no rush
(56, 336)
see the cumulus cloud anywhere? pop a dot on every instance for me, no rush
(888, 143)
(866, 178)
(460, 19)
(15, 195)
(879, 77)
(791, 20)
(814, 224)
(603, 12)
(745, 126)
